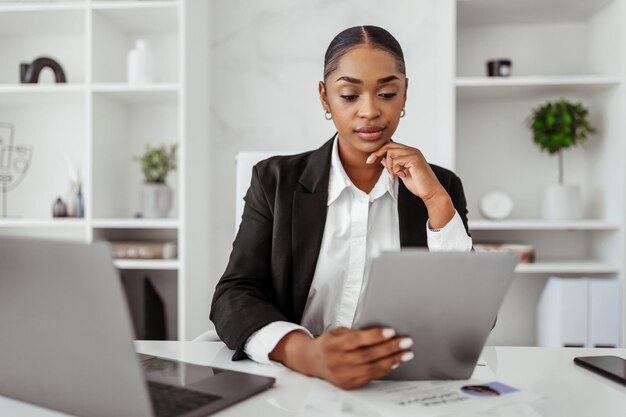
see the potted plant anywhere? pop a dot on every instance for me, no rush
(557, 126)
(156, 195)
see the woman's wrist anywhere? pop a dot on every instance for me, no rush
(440, 209)
(292, 350)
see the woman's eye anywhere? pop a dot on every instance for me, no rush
(352, 97)
(388, 95)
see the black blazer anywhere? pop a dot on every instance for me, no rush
(275, 252)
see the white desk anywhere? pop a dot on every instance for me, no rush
(569, 390)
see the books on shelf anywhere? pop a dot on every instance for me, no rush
(144, 250)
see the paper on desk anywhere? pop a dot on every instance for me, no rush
(326, 400)
(439, 398)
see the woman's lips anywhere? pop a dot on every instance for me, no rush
(370, 132)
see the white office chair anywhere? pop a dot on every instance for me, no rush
(244, 163)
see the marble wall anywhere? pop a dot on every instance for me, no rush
(266, 60)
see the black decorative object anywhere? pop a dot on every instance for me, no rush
(499, 67)
(58, 208)
(153, 325)
(29, 73)
(14, 162)
(147, 308)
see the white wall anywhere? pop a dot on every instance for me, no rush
(197, 241)
(267, 58)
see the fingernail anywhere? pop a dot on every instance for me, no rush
(407, 357)
(405, 343)
(370, 159)
(395, 366)
(389, 333)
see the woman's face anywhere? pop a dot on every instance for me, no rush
(365, 95)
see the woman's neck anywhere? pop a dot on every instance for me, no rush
(363, 176)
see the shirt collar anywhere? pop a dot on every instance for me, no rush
(339, 180)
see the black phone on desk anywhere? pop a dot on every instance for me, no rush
(611, 367)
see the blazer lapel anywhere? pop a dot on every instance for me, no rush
(308, 222)
(412, 217)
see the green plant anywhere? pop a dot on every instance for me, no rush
(157, 162)
(559, 125)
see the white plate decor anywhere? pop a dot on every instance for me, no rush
(496, 205)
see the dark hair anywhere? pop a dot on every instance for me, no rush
(373, 36)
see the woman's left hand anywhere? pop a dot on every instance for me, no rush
(411, 167)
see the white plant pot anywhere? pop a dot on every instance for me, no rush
(561, 202)
(156, 200)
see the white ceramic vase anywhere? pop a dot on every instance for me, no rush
(561, 202)
(156, 200)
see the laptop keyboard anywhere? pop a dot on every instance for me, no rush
(171, 401)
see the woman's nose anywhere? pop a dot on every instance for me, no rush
(368, 109)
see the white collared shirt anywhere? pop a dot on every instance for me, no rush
(358, 226)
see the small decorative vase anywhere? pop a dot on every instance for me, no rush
(79, 203)
(58, 208)
(561, 202)
(156, 200)
(140, 64)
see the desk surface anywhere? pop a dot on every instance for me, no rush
(568, 389)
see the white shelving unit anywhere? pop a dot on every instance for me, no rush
(161, 265)
(99, 123)
(560, 49)
(536, 224)
(576, 267)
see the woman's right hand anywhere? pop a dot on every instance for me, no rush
(347, 358)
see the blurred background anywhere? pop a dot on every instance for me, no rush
(126, 121)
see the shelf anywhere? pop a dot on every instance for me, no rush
(125, 5)
(567, 267)
(476, 225)
(158, 264)
(140, 18)
(495, 87)
(135, 223)
(47, 223)
(129, 93)
(41, 93)
(498, 12)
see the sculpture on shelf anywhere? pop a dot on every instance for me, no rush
(29, 73)
(14, 162)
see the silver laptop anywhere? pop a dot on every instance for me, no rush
(446, 302)
(66, 341)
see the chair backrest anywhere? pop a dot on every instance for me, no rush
(245, 161)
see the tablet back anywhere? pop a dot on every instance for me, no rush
(446, 302)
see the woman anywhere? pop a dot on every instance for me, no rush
(311, 222)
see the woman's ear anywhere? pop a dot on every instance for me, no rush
(321, 88)
(406, 89)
